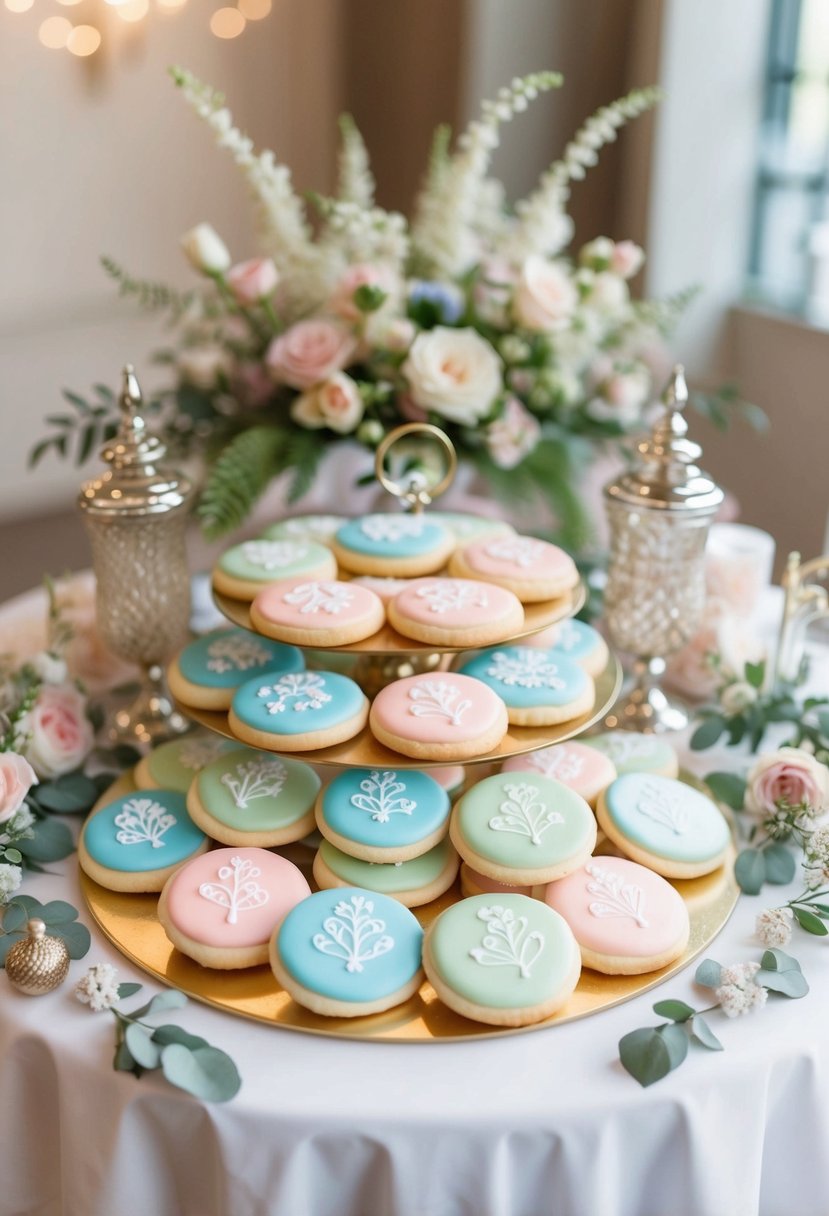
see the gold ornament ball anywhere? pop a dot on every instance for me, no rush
(38, 964)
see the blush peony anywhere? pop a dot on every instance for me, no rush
(309, 352)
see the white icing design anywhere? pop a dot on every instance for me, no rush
(663, 807)
(562, 763)
(438, 699)
(391, 527)
(143, 821)
(353, 933)
(506, 942)
(239, 892)
(380, 797)
(273, 554)
(452, 595)
(236, 653)
(330, 598)
(626, 746)
(616, 897)
(305, 688)
(318, 527)
(194, 754)
(568, 637)
(526, 669)
(260, 778)
(520, 550)
(524, 814)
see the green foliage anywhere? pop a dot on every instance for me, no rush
(50, 841)
(809, 920)
(708, 732)
(781, 973)
(750, 871)
(72, 794)
(708, 974)
(60, 918)
(153, 297)
(727, 788)
(240, 476)
(722, 405)
(651, 1053)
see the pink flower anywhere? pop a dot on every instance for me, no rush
(545, 297)
(691, 671)
(253, 281)
(309, 352)
(16, 779)
(60, 732)
(626, 259)
(512, 436)
(362, 274)
(789, 775)
(336, 404)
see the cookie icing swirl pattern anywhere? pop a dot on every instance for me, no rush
(238, 891)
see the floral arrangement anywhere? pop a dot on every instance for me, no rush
(355, 319)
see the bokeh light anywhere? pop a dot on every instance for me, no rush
(84, 40)
(133, 10)
(254, 10)
(227, 23)
(54, 32)
(170, 4)
(19, 6)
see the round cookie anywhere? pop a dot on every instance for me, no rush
(385, 588)
(221, 909)
(383, 816)
(173, 765)
(583, 769)
(397, 545)
(319, 528)
(533, 569)
(522, 829)
(582, 644)
(136, 842)
(538, 687)
(466, 528)
(455, 612)
(412, 883)
(244, 569)
(664, 824)
(451, 777)
(506, 960)
(626, 919)
(208, 671)
(317, 613)
(473, 883)
(298, 712)
(439, 717)
(348, 952)
(249, 797)
(632, 752)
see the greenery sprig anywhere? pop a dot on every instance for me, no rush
(60, 918)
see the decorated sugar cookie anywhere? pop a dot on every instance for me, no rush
(208, 671)
(473, 883)
(136, 842)
(327, 613)
(582, 644)
(385, 588)
(298, 712)
(533, 569)
(221, 909)
(523, 829)
(383, 815)
(538, 687)
(466, 528)
(412, 883)
(394, 544)
(632, 752)
(450, 776)
(348, 952)
(583, 769)
(249, 797)
(244, 569)
(173, 765)
(664, 824)
(439, 716)
(626, 919)
(319, 528)
(505, 959)
(455, 612)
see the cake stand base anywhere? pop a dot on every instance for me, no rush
(645, 707)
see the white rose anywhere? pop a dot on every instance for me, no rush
(608, 293)
(545, 297)
(336, 403)
(201, 366)
(736, 697)
(205, 250)
(454, 372)
(49, 668)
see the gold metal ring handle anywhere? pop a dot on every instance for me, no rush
(416, 493)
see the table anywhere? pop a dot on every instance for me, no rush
(541, 1124)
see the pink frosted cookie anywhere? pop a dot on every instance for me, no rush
(584, 769)
(317, 613)
(533, 569)
(455, 612)
(473, 883)
(439, 716)
(221, 908)
(626, 919)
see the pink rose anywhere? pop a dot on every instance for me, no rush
(16, 779)
(626, 259)
(253, 281)
(787, 775)
(545, 297)
(336, 404)
(363, 274)
(691, 670)
(309, 352)
(512, 436)
(60, 732)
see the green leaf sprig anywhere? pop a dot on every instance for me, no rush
(60, 918)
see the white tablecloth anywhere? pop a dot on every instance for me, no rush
(541, 1124)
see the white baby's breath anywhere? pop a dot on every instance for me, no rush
(10, 879)
(99, 987)
(739, 992)
(774, 927)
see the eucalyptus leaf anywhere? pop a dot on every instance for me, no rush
(169, 1033)
(124, 1061)
(206, 1072)
(707, 733)
(780, 864)
(787, 983)
(756, 673)
(645, 1055)
(676, 1041)
(144, 1050)
(75, 935)
(702, 1033)
(728, 788)
(70, 795)
(677, 1011)
(6, 943)
(58, 912)
(12, 855)
(778, 960)
(125, 990)
(708, 974)
(750, 871)
(52, 841)
(808, 921)
(171, 998)
(18, 911)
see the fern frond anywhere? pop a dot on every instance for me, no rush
(154, 297)
(240, 475)
(664, 315)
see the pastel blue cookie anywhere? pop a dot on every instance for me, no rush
(526, 677)
(383, 815)
(579, 642)
(348, 951)
(669, 821)
(297, 703)
(148, 831)
(633, 752)
(393, 535)
(227, 658)
(173, 765)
